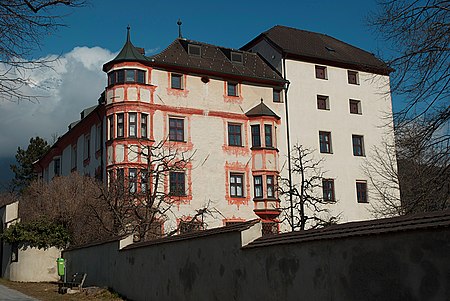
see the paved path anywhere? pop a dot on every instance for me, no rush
(7, 294)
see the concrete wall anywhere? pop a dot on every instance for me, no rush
(402, 265)
(32, 265)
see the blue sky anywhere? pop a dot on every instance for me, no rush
(232, 23)
(96, 32)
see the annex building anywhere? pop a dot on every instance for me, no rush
(235, 113)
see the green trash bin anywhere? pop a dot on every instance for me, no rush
(60, 262)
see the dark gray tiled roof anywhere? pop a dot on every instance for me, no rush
(320, 48)
(215, 61)
(261, 110)
(428, 220)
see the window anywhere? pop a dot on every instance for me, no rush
(176, 129)
(120, 178)
(353, 77)
(358, 145)
(323, 102)
(144, 122)
(87, 146)
(321, 72)
(132, 124)
(190, 226)
(256, 136)
(176, 81)
(270, 186)
(129, 76)
(257, 180)
(177, 183)
(236, 185)
(232, 89)
(328, 190)
(355, 106)
(57, 167)
(234, 134)
(361, 191)
(15, 252)
(236, 57)
(126, 76)
(144, 180)
(73, 164)
(276, 95)
(194, 50)
(325, 142)
(268, 135)
(132, 179)
(111, 126)
(120, 79)
(120, 125)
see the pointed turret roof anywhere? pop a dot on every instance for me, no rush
(261, 110)
(129, 53)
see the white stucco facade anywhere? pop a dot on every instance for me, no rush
(373, 123)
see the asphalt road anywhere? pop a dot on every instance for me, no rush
(7, 294)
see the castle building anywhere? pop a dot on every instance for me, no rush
(227, 109)
(339, 103)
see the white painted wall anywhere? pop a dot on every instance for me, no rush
(306, 121)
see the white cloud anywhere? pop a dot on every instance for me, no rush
(73, 83)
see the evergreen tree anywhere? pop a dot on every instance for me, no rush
(23, 171)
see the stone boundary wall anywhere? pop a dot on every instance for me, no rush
(405, 258)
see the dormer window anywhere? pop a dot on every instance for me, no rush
(194, 50)
(126, 76)
(236, 57)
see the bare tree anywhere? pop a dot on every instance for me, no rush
(66, 201)
(423, 173)
(23, 25)
(310, 207)
(419, 34)
(140, 202)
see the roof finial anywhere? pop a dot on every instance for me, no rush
(262, 99)
(180, 36)
(128, 33)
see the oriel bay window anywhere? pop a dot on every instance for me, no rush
(126, 76)
(120, 125)
(268, 135)
(111, 127)
(132, 124)
(234, 134)
(236, 185)
(132, 179)
(259, 188)
(177, 183)
(144, 180)
(144, 122)
(256, 135)
(270, 183)
(257, 181)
